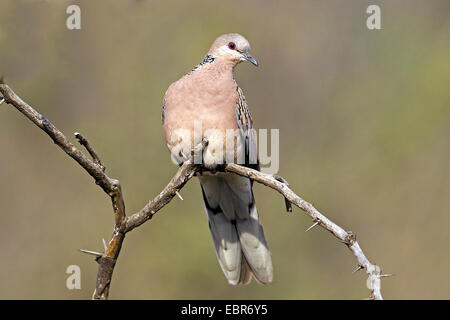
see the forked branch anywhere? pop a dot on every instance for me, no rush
(124, 224)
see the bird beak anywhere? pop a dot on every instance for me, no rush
(250, 59)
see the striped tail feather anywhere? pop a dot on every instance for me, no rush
(237, 233)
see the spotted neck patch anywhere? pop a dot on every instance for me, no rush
(207, 59)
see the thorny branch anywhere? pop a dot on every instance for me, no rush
(83, 141)
(124, 224)
(346, 237)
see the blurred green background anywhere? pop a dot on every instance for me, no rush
(364, 129)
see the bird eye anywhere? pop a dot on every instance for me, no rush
(232, 45)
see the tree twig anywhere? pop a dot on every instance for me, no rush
(83, 141)
(348, 238)
(110, 186)
(124, 224)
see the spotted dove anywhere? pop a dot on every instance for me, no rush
(207, 104)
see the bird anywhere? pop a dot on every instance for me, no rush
(207, 104)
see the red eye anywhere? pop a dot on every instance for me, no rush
(232, 45)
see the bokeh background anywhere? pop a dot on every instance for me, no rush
(364, 135)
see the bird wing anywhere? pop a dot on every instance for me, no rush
(245, 124)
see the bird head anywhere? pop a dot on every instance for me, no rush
(232, 48)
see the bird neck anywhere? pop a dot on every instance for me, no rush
(217, 65)
(223, 67)
(209, 58)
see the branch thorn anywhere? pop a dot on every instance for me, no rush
(358, 268)
(179, 195)
(315, 224)
(94, 253)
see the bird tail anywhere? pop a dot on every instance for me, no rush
(237, 233)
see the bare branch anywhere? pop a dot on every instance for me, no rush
(184, 174)
(107, 184)
(123, 224)
(110, 186)
(348, 238)
(83, 141)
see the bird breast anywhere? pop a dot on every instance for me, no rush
(198, 106)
